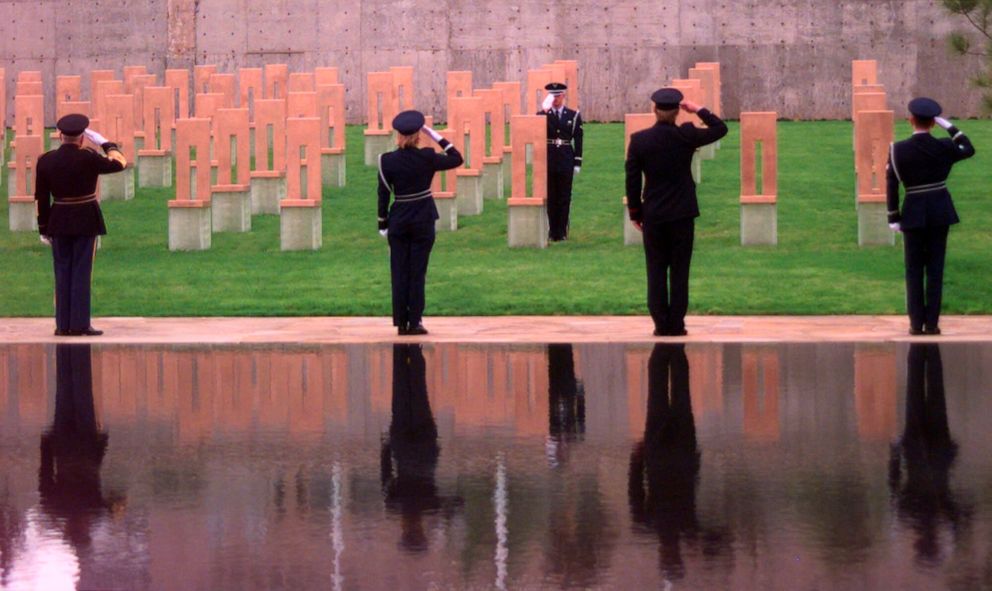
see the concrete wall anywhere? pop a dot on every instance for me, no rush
(792, 56)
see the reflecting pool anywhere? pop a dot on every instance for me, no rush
(637, 466)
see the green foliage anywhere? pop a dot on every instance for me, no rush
(959, 43)
(817, 268)
(978, 14)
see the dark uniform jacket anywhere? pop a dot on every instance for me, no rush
(408, 174)
(67, 174)
(566, 130)
(663, 154)
(922, 164)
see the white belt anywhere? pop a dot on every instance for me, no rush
(925, 188)
(426, 194)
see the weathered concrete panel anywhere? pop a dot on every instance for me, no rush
(790, 56)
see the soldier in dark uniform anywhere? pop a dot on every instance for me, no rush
(407, 173)
(922, 164)
(566, 404)
(409, 457)
(923, 497)
(69, 217)
(664, 466)
(72, 451)
(564, 157)
(663, 154)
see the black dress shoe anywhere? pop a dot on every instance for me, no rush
(62, 333)
(416, 330)
(402, 330)
(678, 332)
(935, 330)
(658, 332)
(87, 332)
(915, 332)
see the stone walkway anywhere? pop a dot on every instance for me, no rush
(497, 329)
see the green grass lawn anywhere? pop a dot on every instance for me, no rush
(817, 267)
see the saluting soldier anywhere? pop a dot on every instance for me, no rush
(564, 157)
(663, 154)
(407, 173)
(921, 164)
(69, 217)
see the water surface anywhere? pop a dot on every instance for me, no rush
(807, 466)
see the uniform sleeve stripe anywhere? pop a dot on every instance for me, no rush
(892, 159)
(116, 156)
(382, 176)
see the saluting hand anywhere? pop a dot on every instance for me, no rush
(95, 137)
(434, 135)
(942, 122)
(547, 103)
(690, 107)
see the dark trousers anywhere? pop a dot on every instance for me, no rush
(924, 249)
(668, 252)
(559, 202)
(73, 256)
(409, 251)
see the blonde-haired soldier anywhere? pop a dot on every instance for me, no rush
(406, 173)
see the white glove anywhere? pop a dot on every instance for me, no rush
(577, 169)
(383, 233)
(45, 240)
(942, 122)
(547, 102)
(95, 137)
(434, 135)
(895, 227)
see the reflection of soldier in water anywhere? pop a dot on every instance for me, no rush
(923, 497)
(664, 466)
(566, 403)
(72, 450)
(412, 446)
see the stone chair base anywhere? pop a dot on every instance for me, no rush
(447, 211)
(232, 210)
(189, 226)
(300, 225)
(492, 180)
(873, 224)
(22, 216)
(118, 186)
(375, 145)
(469, 194)
(155, 170)
(759, 224)
(332, 169)
(528, 223)
(266, 193)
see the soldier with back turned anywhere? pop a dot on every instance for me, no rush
(69, 217)
(667, 209)
(921, 164)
